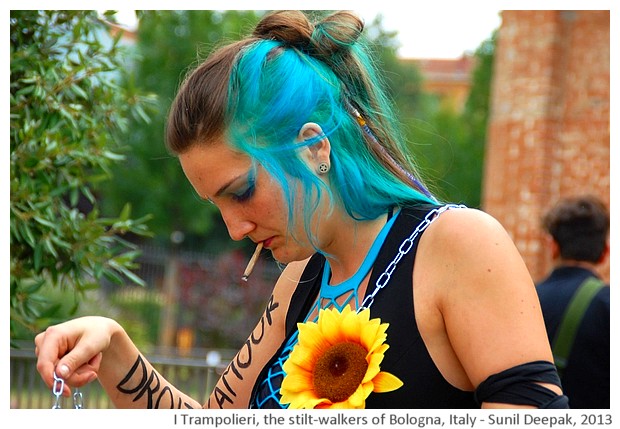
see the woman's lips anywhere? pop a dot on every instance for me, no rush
(267, 242)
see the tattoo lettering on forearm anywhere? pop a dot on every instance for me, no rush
(139, 382)
(243, 359)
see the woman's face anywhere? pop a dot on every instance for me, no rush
(250, 201)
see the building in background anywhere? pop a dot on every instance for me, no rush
(549, 125)
(449, 79)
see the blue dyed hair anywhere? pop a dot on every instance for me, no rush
(291, 73)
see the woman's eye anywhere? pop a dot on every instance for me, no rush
(246, 194)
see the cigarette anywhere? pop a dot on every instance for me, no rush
(253, 259)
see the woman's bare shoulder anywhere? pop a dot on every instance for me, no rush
(464, 223)
(289, 278)
(467, 236)
(470, 249)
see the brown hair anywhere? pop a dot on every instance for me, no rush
(197, 112)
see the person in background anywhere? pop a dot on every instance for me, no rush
(578, 240)
(389, 298)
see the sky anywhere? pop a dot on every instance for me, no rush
(427, 32)
(436, 32)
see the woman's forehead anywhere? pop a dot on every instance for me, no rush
(208, 167)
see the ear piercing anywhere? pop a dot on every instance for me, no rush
(323, 168)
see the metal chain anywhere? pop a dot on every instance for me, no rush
(78, 399)
(58, 387)
(403, 249)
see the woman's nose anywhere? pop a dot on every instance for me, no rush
(238, 226)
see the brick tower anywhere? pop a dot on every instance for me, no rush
(549, 128)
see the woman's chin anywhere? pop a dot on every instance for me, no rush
(286, 256)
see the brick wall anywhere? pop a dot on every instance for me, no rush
(549, 129)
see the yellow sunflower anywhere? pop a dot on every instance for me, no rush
(335, 363)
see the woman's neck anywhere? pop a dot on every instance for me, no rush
(350, 242)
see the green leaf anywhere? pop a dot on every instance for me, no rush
(50, 247)
(45, 222)
(80, 93)
(125, 213)
(133, 277)
(34, 287)
(38, 256)
(50, 311)
(26, 90)
(113, 156)
(113, 277)
(26, 232)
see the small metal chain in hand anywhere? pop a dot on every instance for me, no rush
(58, 387)
(404, 248)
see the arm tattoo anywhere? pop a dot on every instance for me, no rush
(139, 382)
(226, 393)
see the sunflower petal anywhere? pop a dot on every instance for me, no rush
(351, 327)
(374, 362)
(306, 399)
(358, 398)
(329, 323)
(386, 382)
(376, 357)
(340, 405)
(296, 382)
(368, 337)
(364, 316)
(303, 358)
(310, 337)
(317, 403)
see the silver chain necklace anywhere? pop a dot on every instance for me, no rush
(404, 248)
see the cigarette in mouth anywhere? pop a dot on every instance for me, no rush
(253, 259)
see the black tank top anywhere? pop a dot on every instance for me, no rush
(407, 357)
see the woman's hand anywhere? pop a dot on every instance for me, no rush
(74, 350)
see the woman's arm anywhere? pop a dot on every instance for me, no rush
(86, 348)
(234, 388)
(488, 316)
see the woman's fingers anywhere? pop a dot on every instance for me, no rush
(85, 373)
(48, 352)
(72, 350)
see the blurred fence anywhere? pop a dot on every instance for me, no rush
(192, 375)
(195, 299)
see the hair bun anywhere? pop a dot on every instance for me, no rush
(336, 33)
(288, 26)
(333, 34)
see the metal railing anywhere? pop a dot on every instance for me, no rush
(192, 375)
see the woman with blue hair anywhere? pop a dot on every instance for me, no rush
(388, 298)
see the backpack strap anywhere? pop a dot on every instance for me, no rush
(565, 336)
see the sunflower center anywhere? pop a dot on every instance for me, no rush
(339, 371)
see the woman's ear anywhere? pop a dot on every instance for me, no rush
(318, 152)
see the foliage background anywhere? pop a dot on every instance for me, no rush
(68, 112)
